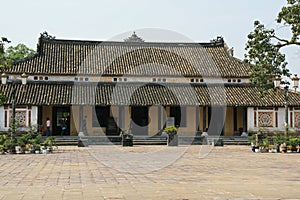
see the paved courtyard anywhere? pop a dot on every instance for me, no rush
(150, 172)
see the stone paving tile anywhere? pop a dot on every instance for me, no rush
(150, 172)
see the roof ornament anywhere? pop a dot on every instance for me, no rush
(219, 39)
(47, 36)
(134, 38)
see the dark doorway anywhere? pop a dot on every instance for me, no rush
(61, 117)
(140, 119)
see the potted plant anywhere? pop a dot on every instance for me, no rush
(127, 138)
(37, 148)
(265, 144)
(172, 135)
(49, 143)
(283, 148)
(9, 144)
(294, 142)
(2, 139)
(253, 142)
(277, 140)
(27, 149)
(1, 149)
(20, 145)
(272, 148)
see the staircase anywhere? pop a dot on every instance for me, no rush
(231, 140)
(146, 140)
(66, 141)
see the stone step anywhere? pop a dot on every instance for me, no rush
(66, 141)
(144, 140)
(236, 142)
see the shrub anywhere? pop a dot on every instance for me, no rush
(171, 130)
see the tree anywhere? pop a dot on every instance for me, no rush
(3, 63)
(18, 52)
(11, 55)
(264, 45)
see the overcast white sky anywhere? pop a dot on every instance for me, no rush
(199, 20)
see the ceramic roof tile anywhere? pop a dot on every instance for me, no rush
(35, 93)
(71, 57)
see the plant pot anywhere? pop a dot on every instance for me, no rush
(50, 149)
(9, 151)
(18, 149)
(45, 151)
(127, 140)
(273, 150)
(27, 152)
(173, 140)
(37, 151)
(257, 150)
(283, 149)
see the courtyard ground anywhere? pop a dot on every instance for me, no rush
(150, 172)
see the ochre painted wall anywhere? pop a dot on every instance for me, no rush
(229, 122)
(190, 129)
(74, 120)
(47, 112)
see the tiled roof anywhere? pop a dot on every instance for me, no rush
(149, 94)
(71, 57)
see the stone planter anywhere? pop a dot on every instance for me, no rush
(18, 149)
(127, 140)
(283, 149)
(173, 140)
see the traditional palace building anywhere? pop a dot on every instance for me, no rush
(142, 86)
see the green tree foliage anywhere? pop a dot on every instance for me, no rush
(11, 55)
(263, 46)
(18, 52)
(3, 63)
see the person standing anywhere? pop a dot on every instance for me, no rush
(48, 124)
(63, 126)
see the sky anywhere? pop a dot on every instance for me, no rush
(198, 20)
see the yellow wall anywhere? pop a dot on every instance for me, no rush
(190, 129)
(153, 120)
(201, 118)
(74, 120)
(229, 122)
(92, 131)
(47, 112)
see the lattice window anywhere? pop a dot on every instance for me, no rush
(265, 119)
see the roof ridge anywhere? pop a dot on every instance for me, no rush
(158, 43)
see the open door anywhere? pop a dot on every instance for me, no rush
(61, 117)
(140, 120)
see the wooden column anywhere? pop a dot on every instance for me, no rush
(235, 120)
(80, 118)
(122, 117)
(245, 119)
(40, 117)
(209, 116)
(159, 118)
(197, 110)
(204, 118)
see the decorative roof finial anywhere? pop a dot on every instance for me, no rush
(134, 38)
(47, 36)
